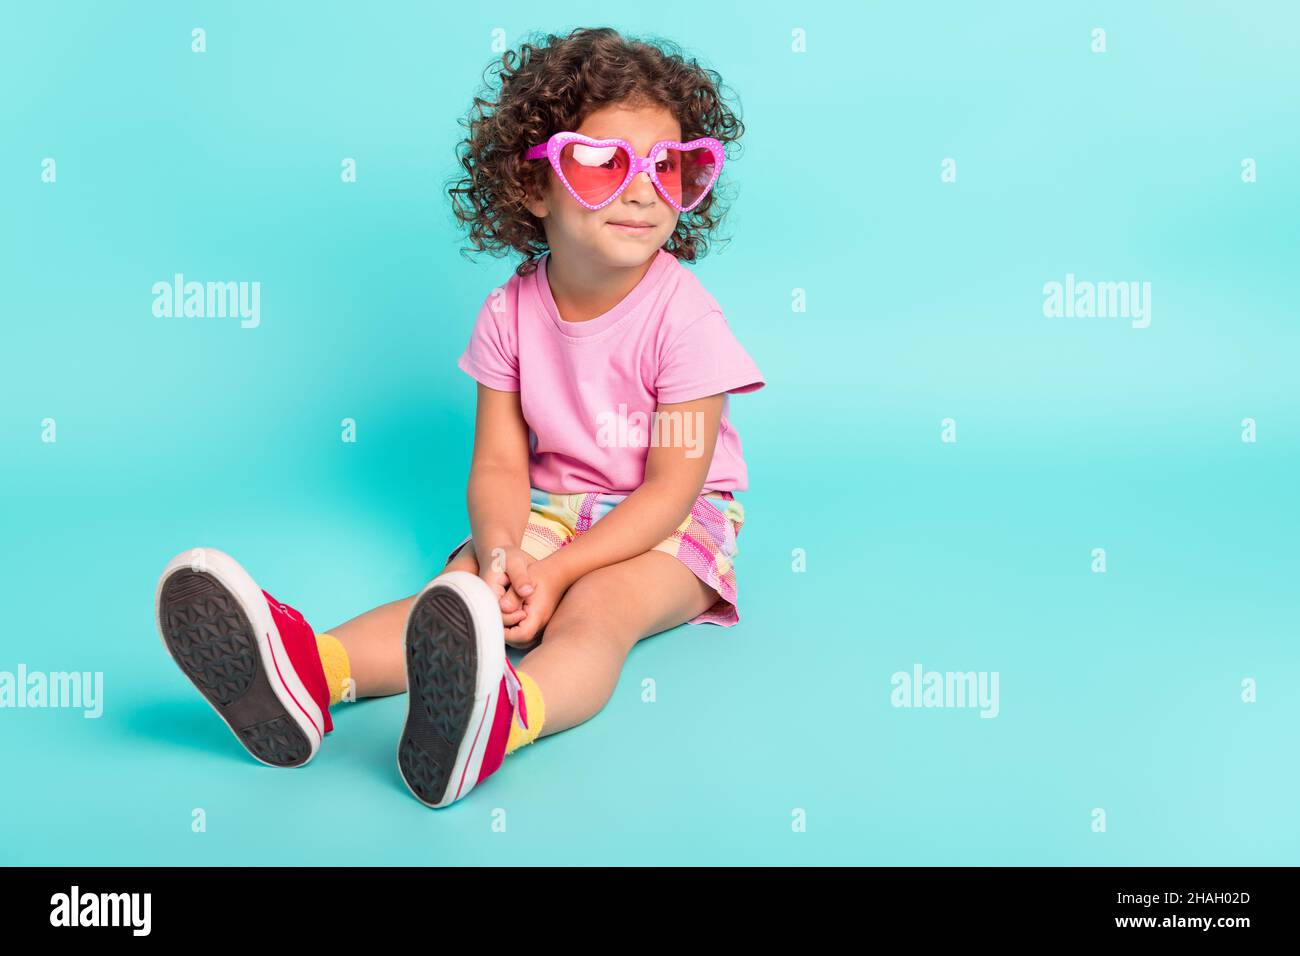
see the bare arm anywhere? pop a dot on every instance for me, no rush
(498, 493)
(674, 477)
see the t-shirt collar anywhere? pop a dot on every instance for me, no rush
(657, 270)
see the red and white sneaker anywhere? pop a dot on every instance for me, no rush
(461, 690)
(252, 658)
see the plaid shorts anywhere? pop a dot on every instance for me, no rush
(705, 541)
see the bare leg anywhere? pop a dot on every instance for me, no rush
(373, 640)
(596, 624)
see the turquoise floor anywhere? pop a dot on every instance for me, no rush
(1119, 691)
(775, 741)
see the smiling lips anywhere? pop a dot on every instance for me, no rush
(632, 225)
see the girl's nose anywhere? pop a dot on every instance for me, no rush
(641, 186)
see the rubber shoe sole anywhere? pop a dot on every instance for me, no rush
(455, 655)
(241, 669)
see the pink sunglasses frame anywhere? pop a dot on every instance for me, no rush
(551, 149)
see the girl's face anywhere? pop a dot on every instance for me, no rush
(576, 234)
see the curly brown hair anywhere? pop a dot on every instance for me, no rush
(553, 84)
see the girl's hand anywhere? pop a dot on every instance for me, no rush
(545, 588)
(506, 572)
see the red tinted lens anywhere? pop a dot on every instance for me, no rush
(685, 174)
(594, 172)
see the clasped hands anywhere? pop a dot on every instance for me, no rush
(527, 589)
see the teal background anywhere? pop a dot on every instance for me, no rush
(1118, 690)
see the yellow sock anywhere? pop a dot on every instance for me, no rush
(338, 671)
(536, 710)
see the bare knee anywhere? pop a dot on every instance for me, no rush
(463, 560)
(588, 610)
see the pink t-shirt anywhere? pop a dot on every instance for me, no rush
(589, 390)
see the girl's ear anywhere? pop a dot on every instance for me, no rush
(534, 201)
(535, 204)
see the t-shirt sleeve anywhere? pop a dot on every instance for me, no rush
(492, 356)
(705, 358)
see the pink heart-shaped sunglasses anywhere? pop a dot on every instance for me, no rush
(596, 171)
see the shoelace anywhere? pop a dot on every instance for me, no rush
(514, 691)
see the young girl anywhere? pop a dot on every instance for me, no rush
(601, 491)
